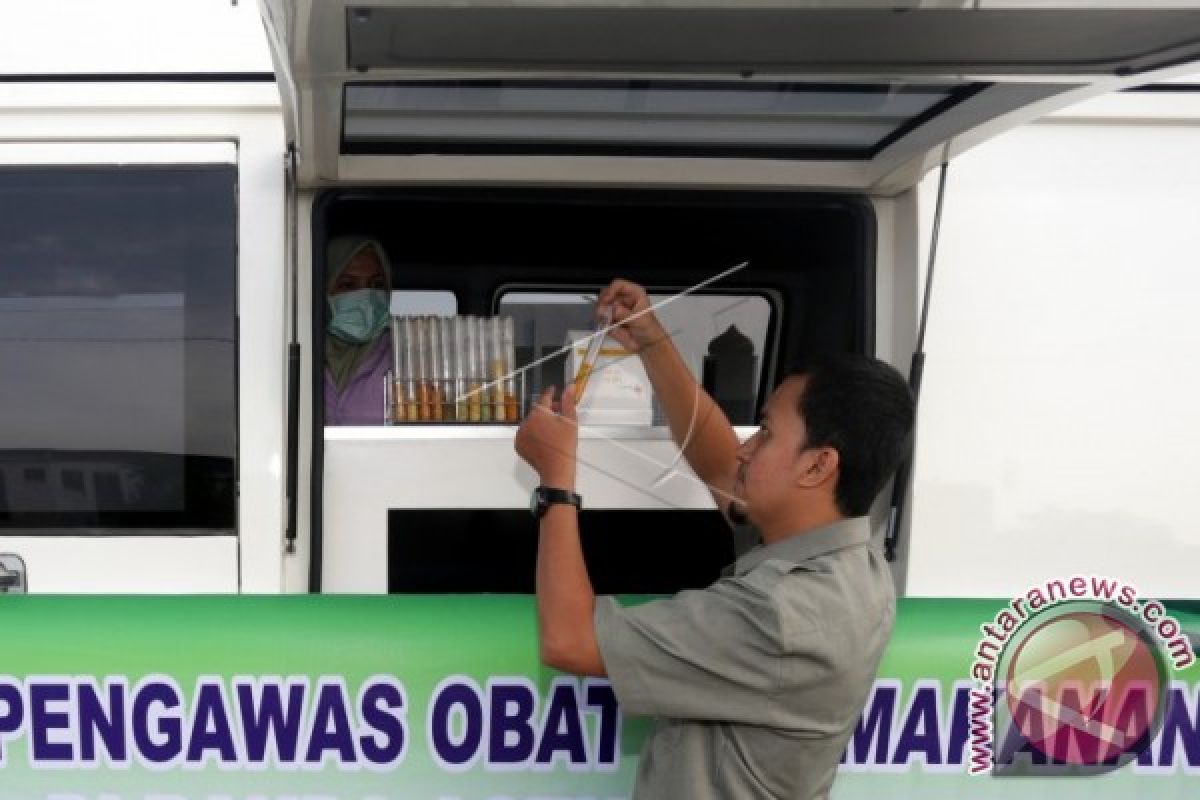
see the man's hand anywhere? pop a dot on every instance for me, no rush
(635, 325)
(548, 440)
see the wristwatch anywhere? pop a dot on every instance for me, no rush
(544, 497)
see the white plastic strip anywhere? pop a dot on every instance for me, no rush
(22, 153)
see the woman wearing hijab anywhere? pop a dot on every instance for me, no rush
(357, 353)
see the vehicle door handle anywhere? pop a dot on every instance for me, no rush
(12, 574)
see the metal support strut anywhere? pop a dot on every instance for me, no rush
(916, 370)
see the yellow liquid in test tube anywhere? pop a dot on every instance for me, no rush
(588, 365)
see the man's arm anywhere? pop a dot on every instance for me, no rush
(698, 425)
(565, 599)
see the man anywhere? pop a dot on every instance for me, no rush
(758, 680)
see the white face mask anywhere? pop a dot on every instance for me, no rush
(358, 316)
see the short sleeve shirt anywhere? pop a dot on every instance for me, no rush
(758, 680)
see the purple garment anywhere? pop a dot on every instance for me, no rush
(361, 401)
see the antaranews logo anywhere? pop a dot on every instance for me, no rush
(1071, 678)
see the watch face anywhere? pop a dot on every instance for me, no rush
(535, 501)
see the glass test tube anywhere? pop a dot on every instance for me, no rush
(511, 410)
(435, 369)
(393, 407)
(461, 403)
(446, 367)
(422, 371)
(408, 365)
(496, 368)
(429, 379)
(474, 399)
(480, 378)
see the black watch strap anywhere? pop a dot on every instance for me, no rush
(545, 496)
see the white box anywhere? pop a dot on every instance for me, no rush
(618, 391)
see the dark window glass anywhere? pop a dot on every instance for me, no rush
(117, 348)
(72, 480)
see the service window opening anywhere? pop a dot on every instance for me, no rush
(536, 259)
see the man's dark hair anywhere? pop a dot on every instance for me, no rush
(862, 408)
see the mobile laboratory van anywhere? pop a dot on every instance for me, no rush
(162, 252)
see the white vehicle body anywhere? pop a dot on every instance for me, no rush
(55, 112)
(1060, 346)
(969, 531)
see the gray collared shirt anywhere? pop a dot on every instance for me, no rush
(758, 680)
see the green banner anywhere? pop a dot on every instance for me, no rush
(437, 697)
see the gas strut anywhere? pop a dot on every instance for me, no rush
(293, 357)
(917, 367)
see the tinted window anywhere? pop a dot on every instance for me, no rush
(117, 347)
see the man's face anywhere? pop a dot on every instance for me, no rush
(363, 272)
(771, 461)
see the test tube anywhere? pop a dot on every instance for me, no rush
(435, 369)
(474, 398)
(481, 366)
(422, 371)
(409, 366)
(496, 368)
(511, 411)
(462, 404)
(446, 326)
(394, 410)
(588, 364)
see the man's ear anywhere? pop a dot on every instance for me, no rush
(817, 466)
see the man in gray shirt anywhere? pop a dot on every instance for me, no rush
(756, 681)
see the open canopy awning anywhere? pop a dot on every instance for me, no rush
(831, 94)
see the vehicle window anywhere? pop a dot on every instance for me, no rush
(724, 337)
(118, 348)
